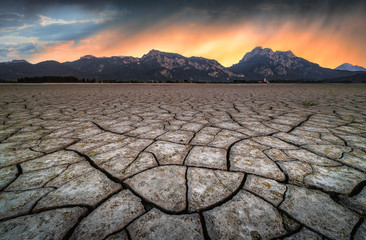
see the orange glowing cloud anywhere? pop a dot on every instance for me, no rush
(328, 47)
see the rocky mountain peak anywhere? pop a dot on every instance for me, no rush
(88, 57)
(257, 51)
(152, 53)
(264, 63)
(288, 54)
(267, 52)
(156, 54)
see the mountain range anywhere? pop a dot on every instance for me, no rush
(162, 66)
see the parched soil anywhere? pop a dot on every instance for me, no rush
(182, 161)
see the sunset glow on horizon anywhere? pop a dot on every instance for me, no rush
(51, 34)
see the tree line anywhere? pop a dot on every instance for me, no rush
(54, 79)
(358, 78)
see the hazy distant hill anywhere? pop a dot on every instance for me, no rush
(264, 63)
(350, 67)
(21, 68)
(358, 77)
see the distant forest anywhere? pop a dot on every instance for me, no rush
(54, 79)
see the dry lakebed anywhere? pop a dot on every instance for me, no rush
(182, 161)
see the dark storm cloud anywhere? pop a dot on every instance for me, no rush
(213, 9)
(137, 15)
(10, 19)
(143, 14)
(215, 5)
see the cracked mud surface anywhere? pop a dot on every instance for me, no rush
(182, 161)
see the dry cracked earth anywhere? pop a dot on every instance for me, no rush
(182, 161)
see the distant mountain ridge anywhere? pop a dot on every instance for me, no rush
(163, 66)
(153, 66)
(264, 63)
(350, 67)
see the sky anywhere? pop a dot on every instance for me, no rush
(327, 32)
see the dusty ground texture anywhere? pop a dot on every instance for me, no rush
(182, 161)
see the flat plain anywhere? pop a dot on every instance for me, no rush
(182, 161)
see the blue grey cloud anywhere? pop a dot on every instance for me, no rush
(9, 51)
(62, 32)
(4, 52)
